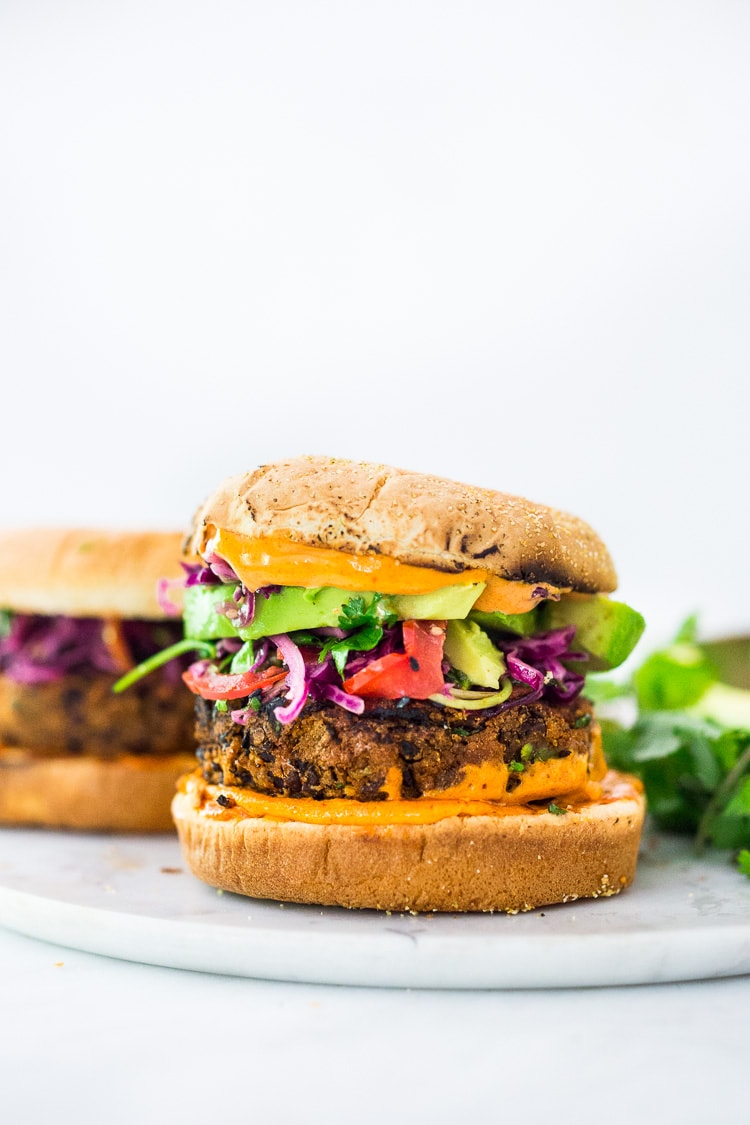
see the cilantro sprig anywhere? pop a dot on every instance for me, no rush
(366, 621)
(690, 742)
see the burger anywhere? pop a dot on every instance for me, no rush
(393, 714)
(78, 610)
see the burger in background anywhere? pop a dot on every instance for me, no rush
(78, 609)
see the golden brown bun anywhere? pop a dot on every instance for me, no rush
(423, 520)
(131, 793)
(511, 862)
(86, 573)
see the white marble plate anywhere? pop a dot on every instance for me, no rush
(131, 897)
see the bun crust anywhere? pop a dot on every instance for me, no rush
(86, 573)
(131, 793)
(424, 520)
(507, 863)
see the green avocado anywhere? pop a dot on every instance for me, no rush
(471, 651)
(295, 607)
(608, 631)
(201, 616)
(441, 605)
(522, 624)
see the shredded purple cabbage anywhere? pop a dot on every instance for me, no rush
(39, 649)
(213, 572)
(196, 574)
(538, 662)
(393, 641)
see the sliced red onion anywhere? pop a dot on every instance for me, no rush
(221, 568)
(166, 605)
(524, 673)
(196, 574)
(296, 680)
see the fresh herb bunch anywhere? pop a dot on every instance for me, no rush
(690, 742)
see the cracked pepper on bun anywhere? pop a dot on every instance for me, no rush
(78, 609)
(391, 707)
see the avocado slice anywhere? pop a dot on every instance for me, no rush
(522, 624)
(471, 651)
(291, 607)
(295, 607)
(608, 631)
(201, 616)
(441, 605)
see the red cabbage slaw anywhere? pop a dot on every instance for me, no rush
(535, 671)
(40, 649)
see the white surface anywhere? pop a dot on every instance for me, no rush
(84, 1039)
(132, 898)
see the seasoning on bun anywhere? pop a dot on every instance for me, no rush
(392, 715)
(78, 608)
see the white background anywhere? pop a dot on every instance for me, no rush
(505, 242)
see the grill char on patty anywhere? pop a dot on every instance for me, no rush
(328, 752)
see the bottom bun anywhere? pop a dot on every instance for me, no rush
(129, 793)
(513, 861)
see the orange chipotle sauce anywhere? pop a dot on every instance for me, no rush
(423, 810)
(275, 560)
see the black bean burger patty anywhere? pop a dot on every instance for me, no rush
(328, 752)
(80, 714)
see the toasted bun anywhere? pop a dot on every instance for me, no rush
(85, 573)
(510, 862)
(130, 793)
(422, 520)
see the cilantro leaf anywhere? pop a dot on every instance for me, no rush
(362, 640)
(693, 760)
(359, 611)
(743, 861)
(365, 619)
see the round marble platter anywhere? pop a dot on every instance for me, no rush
(133, 898)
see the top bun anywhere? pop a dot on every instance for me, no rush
(424, 520)
(84, 573)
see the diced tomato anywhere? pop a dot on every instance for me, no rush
(424, 640)
(215, 685)
(416, 673)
